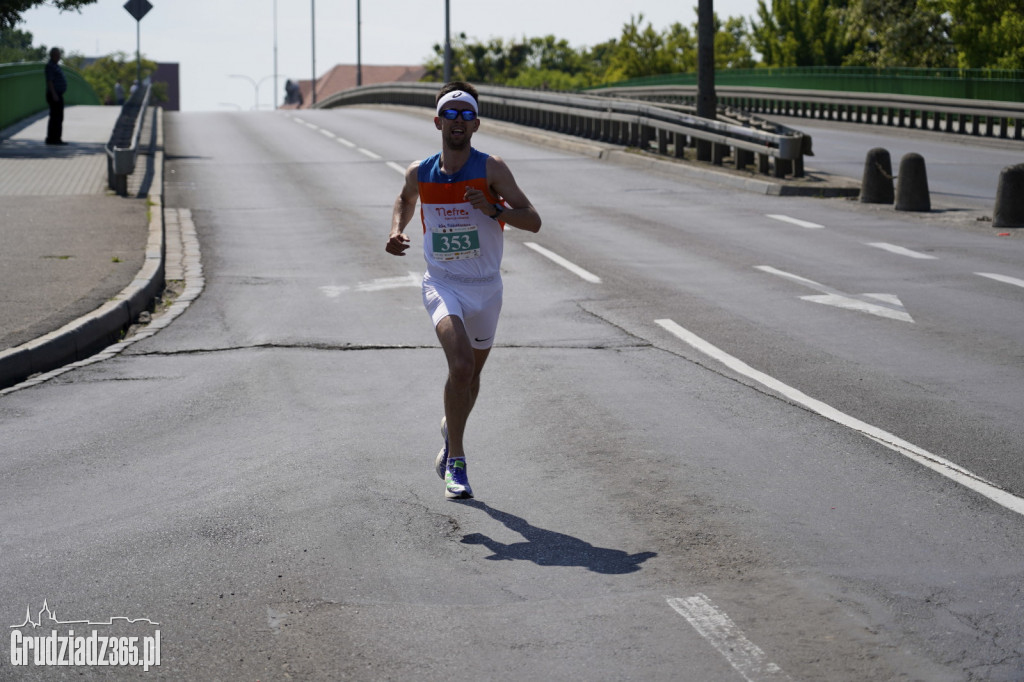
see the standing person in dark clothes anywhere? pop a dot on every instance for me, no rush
(56, 86)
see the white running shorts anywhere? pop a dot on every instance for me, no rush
(478, 305)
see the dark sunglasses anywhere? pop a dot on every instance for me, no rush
(452, 114)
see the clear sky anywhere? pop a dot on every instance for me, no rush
(213, 39)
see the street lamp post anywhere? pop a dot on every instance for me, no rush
(359, 43)
(275, 54)
(312, 9)
(255, 86)
(447, 42)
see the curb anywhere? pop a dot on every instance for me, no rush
(103, 327)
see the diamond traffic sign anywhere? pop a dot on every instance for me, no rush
(138, 8)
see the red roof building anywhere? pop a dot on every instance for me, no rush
(343, 77)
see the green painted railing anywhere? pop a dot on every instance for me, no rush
(984, 84)
(23, 90)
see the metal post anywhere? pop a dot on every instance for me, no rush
(138, 52)
(313, 17)
(359, 43)
(275, 54)
(707, 103)
(447, 42)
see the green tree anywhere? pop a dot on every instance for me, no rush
(987, 33)
(800, 33)
(889, 33)
(732, 44)
(643, 51)
(11, 10)
(16, 46)
(120, 67)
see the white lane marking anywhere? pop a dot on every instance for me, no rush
(410, 280)
(369, 154)
(327, 133)
(568, 265)
(902, 251)
(394, 166)
(796, 221)
(952, 471)
(888, 306)
(716, 627)
(1002, 278)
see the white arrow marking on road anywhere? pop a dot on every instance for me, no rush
(902, 251)
(410, 280)
(889, 305)
(796, 221)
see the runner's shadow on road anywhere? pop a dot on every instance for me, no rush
(548, 548)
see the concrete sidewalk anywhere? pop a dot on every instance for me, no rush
(74, 257)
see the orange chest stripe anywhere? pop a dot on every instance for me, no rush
(452, 192)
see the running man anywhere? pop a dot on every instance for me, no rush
(466, 198)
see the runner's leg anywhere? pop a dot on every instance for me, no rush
(465, 364)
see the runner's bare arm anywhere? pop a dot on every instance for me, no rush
(405, 209)
(521, 212)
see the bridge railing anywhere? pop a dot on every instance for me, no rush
(123, 147)
(663, 130)
(988, 118)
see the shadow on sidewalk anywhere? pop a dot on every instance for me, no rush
(548, 548)
(37, 149)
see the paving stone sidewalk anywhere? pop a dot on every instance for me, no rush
(67, 243)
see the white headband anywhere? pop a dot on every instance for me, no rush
(458, 96)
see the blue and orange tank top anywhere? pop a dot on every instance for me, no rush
(459, 242)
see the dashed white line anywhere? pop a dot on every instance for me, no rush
(902, 251)
(1002, 278)
(327, 133)
(796, 221)
(367, 153)
(716, 627)
(952, 471)
(568, 265)
(347, 143)
(395, 166)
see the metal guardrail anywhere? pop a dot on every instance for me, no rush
(123, 147)
(988, 118)
(663, 130)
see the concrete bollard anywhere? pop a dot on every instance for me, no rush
(912, 185)
(1010, 198)
(876, 185)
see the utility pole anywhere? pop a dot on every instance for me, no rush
(359, 43)
(447, 42)
(275, 54)
(707, 101)
(312, 5)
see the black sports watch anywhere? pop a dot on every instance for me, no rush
(499, 209)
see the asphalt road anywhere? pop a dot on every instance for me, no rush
(659, 495)
(962, 170)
